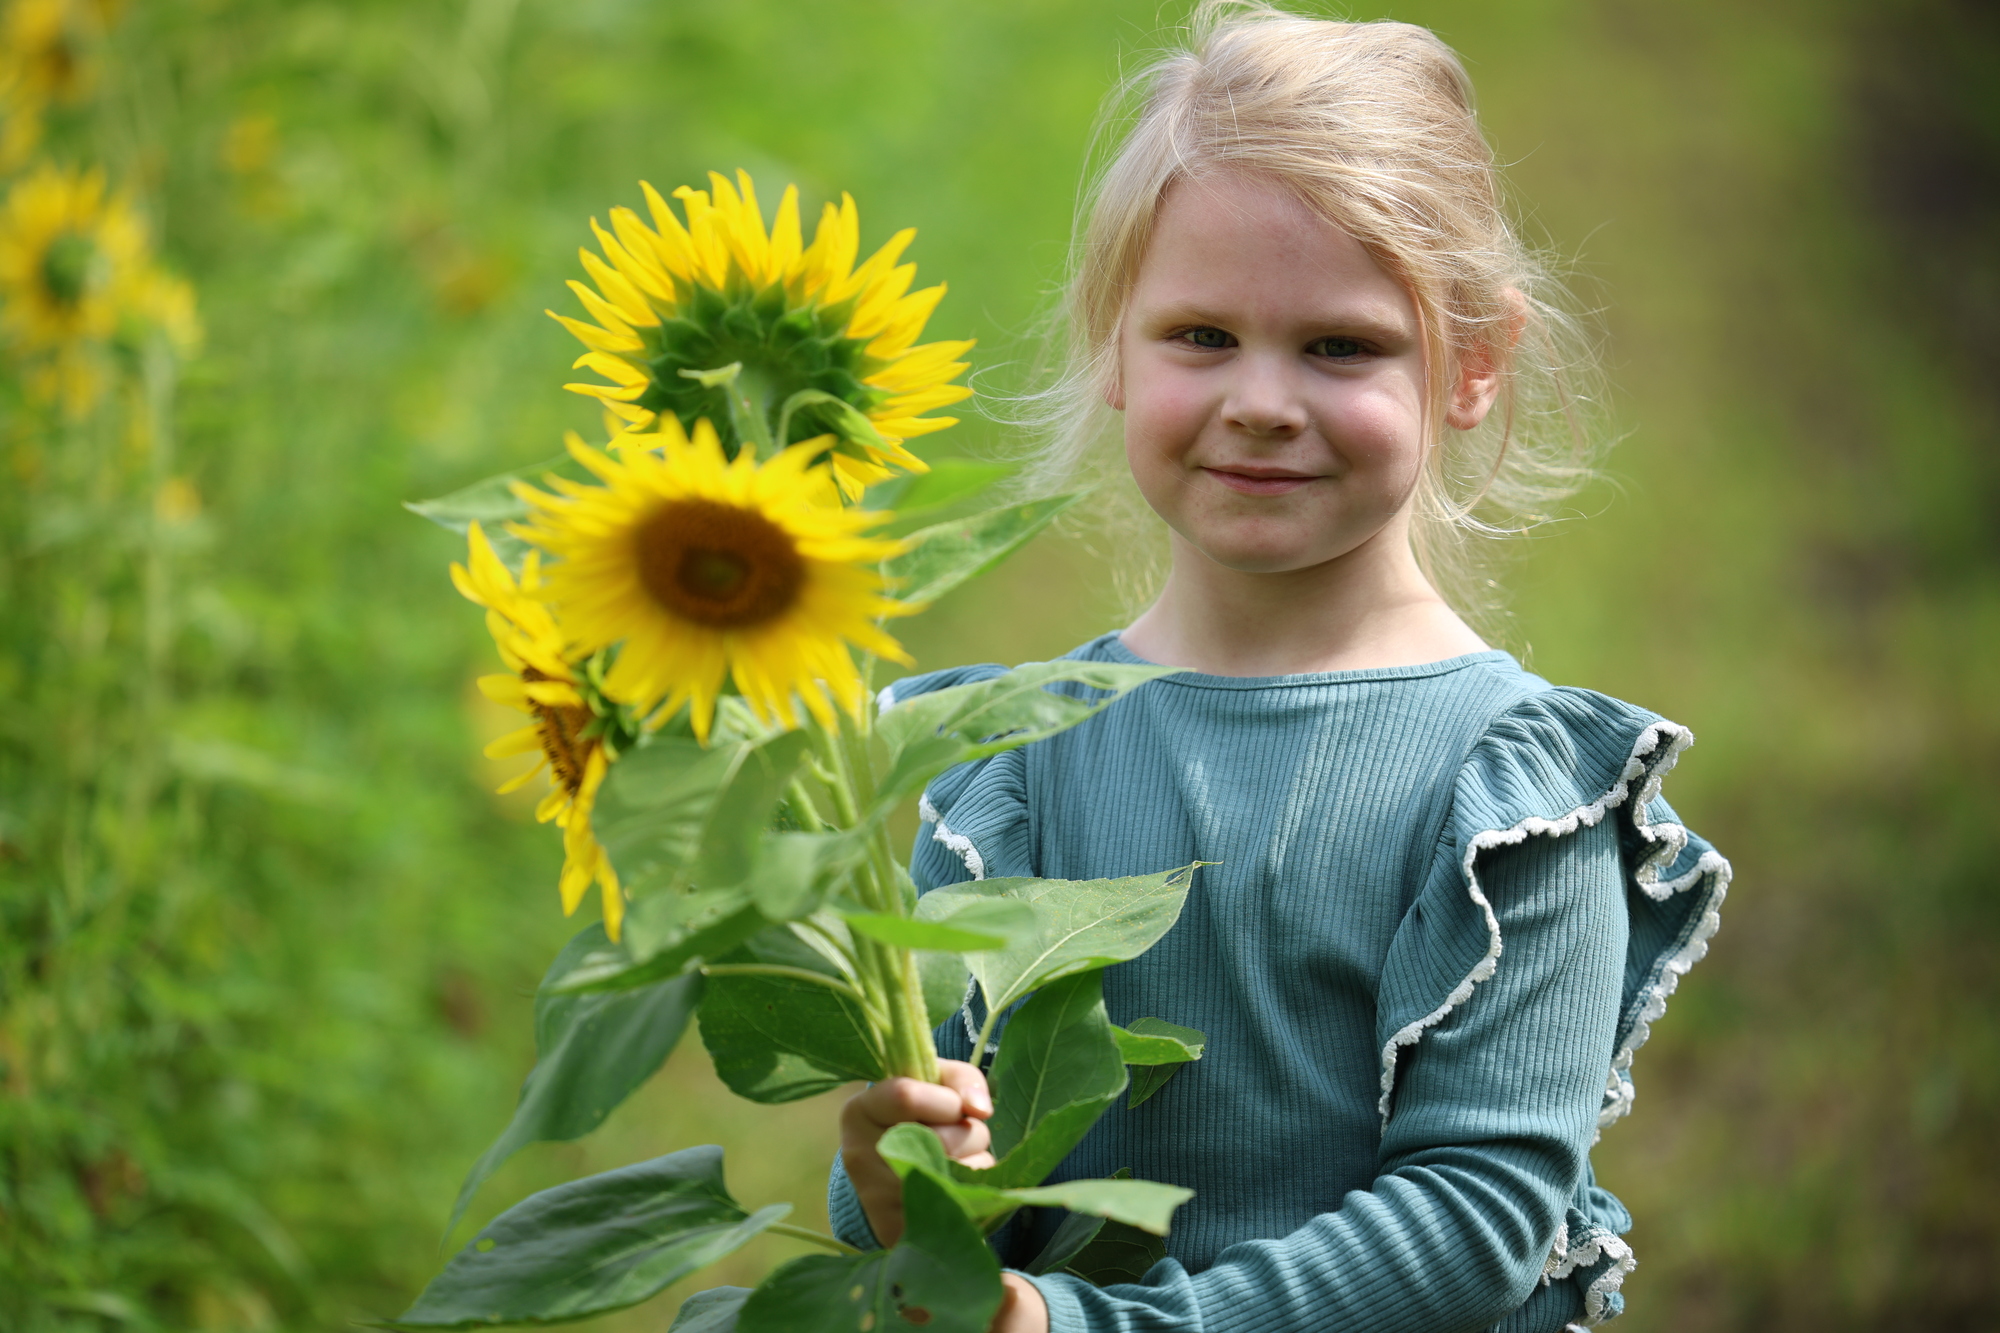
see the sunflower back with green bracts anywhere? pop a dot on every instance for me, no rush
(771, 341)
(783, 350)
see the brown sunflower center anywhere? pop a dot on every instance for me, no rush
(718, 565)
(560, 728)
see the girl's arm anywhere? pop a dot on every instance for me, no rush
(1494, 1114)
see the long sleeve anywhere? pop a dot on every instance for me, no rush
(1487, 1141)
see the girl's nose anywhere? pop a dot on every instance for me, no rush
(1263, 401)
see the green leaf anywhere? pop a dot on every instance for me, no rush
(492, 504)
(947, 554)
(906, 933)
(777, 1039)
(941, 1266)
(1145, 1204)
(1159, 1049)
(1077, 1230)
(1142, 1203)
(1058, 1070)
(944, 977)
(1109, 1251)
(947, 491)
(591, 1051)
(1154, 1041)
(665, 935)
(592, 1246)
(672, 813)
(931, 732)
(794, 872)
(711, 1311)
(729, 838)
(1081, 924)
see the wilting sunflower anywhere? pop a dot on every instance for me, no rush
(74, 264)
(787, 325)
(548, 686)
(706, 567)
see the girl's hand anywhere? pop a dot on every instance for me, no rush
(1022, 1309)
(956, 1107)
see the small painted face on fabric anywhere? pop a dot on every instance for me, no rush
(1272, 379)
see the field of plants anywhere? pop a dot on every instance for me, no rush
(268, 937)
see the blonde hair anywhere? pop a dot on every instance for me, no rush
(1372, 125)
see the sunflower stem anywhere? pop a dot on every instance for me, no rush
(811, 1237)
(790, 973)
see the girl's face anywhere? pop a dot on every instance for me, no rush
(1271, 377)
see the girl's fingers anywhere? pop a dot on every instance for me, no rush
(894, 1101)
(969, 1084)
(966, 1139)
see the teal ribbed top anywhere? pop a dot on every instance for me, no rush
(1447, 902)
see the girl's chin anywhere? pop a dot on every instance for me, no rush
(1261, 559)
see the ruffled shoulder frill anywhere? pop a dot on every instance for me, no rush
(1556, 761)
(975, 816)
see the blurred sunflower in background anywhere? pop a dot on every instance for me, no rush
(575, 742)
(46, 57)
(688, 315)
(709, 566)
(75, 266)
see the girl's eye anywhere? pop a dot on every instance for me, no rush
(1340, 349)
(1206, 337)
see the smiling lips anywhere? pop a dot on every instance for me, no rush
(1259, 481)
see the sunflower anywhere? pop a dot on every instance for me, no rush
(74, 264)
(706, 566)
(548, 686)
(45, 57)
(775, 342)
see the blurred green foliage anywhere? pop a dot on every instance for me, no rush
(266, 938)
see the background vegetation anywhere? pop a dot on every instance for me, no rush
(266, 939)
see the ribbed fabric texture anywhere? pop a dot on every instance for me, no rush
(1356, 820)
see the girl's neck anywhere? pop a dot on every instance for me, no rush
(1369, 608)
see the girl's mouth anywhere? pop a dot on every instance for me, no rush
(1259, 482)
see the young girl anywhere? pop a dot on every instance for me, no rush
(1445, 899)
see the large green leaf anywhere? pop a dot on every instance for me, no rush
(592, 1246)
(711, 1311)
(492, 504)
(1100, 1250)
(665, 935)
(941, 1267)
(944, 978)
(794, 872)
(978, 924)
(777, 1039)
(947, 554)
(591, 1051)
(673, 813)
(949, 490)
(1157, 1049)
(931, 732)
(1057, 1071)
(1146, 1204)
(1081, 924)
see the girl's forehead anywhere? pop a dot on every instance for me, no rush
(1230, 237)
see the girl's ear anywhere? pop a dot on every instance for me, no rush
(1114, 388)
(1481, 368)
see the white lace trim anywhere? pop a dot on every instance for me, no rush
(1597, 1245)
(1714, 869)
(1669, 839)
(956, 842)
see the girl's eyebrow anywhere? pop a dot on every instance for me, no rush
(1355, 324)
